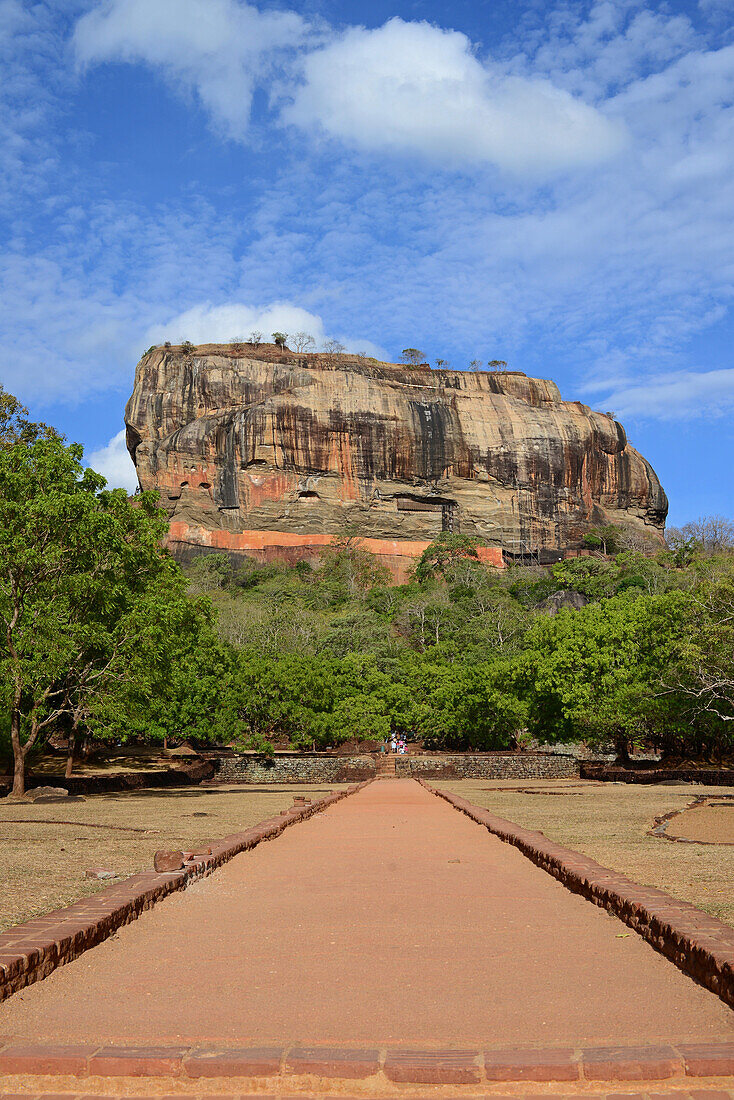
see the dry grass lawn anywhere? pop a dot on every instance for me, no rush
(610, 822)
(46, 848)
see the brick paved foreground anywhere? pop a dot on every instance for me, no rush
(388, 919)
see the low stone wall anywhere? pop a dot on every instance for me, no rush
(195, 771)
(323, 768)
(491, 765)
(708, 777)
(294, 768)
(291, 1068)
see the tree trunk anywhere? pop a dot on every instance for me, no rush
(621, 743)
(18, 757)
(70, 754)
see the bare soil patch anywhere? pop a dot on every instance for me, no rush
(46, 848)
(610, 823)
(710, 823)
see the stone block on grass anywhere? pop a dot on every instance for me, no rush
(168, 861)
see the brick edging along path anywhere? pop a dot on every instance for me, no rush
(281, 1065)
(31, 951)
(699, 945)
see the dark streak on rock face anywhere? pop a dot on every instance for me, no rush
(228, 494)
(265, 440)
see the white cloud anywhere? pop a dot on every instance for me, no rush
(630, 257)
(613, 44)
(417, 89)
(218, 48)
(635, 255)
(32, 71)
(214, 324)
(114, 463)
(74, 312)
(680, 395)
(407, 88)
(715, 6)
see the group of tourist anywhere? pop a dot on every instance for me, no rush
(397, 745)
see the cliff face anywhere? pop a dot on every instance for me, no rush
(261, 440)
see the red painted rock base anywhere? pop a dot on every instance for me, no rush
(398, 555)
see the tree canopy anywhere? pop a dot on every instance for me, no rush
(79, 567)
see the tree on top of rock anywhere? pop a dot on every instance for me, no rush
(412, 357)
(303, 341)
(279, 339)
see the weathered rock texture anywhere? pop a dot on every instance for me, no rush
(265, 451)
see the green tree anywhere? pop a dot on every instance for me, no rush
(282, 697)
(174, 675)
(280, 338)
(15, 427)
(598, 578)
(594, 577)
(412, 357)
(597, 674)
(359, 631)
(444, 552)
(701, 680)
(607, 539)
(348, 571)
(211, 571)
(470, 708)
(358, 717)
(73, 560)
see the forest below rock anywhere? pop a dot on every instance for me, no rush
(105, 638)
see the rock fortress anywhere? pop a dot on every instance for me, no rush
(264, 452)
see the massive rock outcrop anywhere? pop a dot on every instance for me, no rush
(258, 448)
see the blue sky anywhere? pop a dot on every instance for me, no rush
(547, 183)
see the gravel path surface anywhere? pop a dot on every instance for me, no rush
(390, 918)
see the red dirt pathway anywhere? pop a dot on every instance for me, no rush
(388, 919)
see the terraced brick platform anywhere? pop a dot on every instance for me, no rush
(389, 933)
